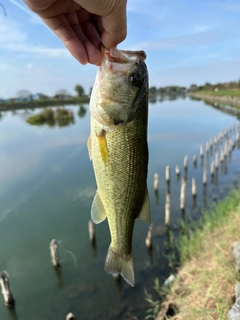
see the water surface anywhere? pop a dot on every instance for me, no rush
(46, 190)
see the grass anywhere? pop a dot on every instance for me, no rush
(61, 117)
(204, 287)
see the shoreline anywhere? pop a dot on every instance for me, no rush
(227, 100)
(42, 103)
(204, 284)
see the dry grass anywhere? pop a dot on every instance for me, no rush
(204, 288)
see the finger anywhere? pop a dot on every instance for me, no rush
(115, 25)
(90, 27)
(62, 28)
(86, 32)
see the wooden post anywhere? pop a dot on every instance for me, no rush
(148, 240)
(185, 162)
(216, 159)
(116, 276)
(6, 292)
(207, 148)
(167, 174)
(194, 188)
(221, 156)
(212, 168)
(212, 171)
(167, 209)
(182, 194)
(211, 146)
(92, 232)
(194, 193)
(205, 175)
(194, 161)
(54, 253)
(70, 316)
(156, 182)
(177, 170)
(201, 151)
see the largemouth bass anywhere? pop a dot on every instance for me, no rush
(119, 152)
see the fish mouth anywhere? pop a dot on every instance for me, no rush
(123, 56)
(120, 60)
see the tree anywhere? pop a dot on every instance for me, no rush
(62, 94)
(193, 87)
(80, 91)
(42, 96)
(162, 91)
(152, 90)
(24, 95)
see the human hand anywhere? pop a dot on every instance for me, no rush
(83, 25)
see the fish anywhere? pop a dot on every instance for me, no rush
(118, 149)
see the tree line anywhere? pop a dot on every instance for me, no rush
(231, 85)
(62, 94)
(180, 90)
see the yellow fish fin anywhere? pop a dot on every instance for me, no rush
(144, 214)
(89, 144)
(98, 213)
(115, 263)
(102, 142)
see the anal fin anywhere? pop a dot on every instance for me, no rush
(98, 213)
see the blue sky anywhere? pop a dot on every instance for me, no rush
(186, 42)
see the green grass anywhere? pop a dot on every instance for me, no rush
(192, 242)
(204, 286)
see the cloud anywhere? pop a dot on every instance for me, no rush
(202, 36)
(13, 39)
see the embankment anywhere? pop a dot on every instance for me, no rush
(42, 103)
(227, 99)
(204, 286)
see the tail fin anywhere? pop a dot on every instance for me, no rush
(120, 264)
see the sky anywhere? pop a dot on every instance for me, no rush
(185, 41)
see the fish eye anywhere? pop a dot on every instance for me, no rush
(134, 78)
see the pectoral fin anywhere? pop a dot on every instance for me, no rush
(89, 144)
(102, 142)
(144, 215)
(98, 213)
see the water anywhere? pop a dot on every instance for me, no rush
(46, 191)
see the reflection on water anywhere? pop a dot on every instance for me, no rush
(46, 192)
(82, 111)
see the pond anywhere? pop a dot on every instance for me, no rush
(46, 190)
